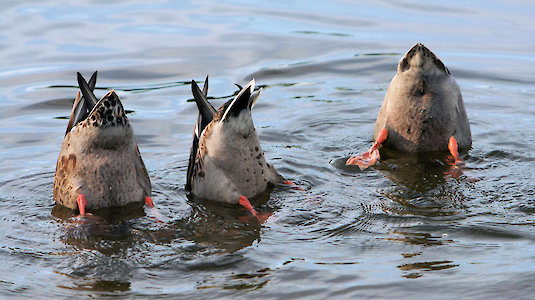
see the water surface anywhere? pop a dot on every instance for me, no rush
(398, 230)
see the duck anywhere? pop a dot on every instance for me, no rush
(226, 160)
(423, 111)
(99, 164)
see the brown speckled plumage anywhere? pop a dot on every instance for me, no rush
(100, 159)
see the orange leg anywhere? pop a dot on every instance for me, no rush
(93, 224)
(81, 204)
(371, 156)
(457, 164)
(245, 203)
(260, 217)
(148, 201)
(155, 213)
(452, 146)
(381, 138)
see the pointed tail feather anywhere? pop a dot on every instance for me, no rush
(205, 87)
(81, 105)
(86, 104)
(87, 91)
(206, 110)
(242, 101)
(74, 111)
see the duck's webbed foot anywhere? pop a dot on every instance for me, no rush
(370, 157)
(86, 224)
(292, 184)
(261, 217)
(155, 213)
(456, 163)
(148, 202)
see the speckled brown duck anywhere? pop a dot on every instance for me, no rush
(226, 160)
(423, 110)
(99, 164)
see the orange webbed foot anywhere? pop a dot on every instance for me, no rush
(262, 217)
(86, 224)
(370, 157)
(156, 214)
(148, 202)
(292, 184)
(364, 160)
(245, 203)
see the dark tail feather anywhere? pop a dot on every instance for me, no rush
(87, 90)
(88, 100)
(83, 105)
(206, 110)
(205, 88)
(242, 101)
(205, 116)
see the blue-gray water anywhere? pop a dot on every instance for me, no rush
(397, 231)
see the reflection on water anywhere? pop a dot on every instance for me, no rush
(401, 229)
(425, 266)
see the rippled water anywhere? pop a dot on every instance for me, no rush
(399, 230)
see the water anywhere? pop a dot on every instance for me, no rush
(399, 230)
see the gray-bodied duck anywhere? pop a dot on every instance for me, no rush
(423, 110)
(99, 164)
(226, 160)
